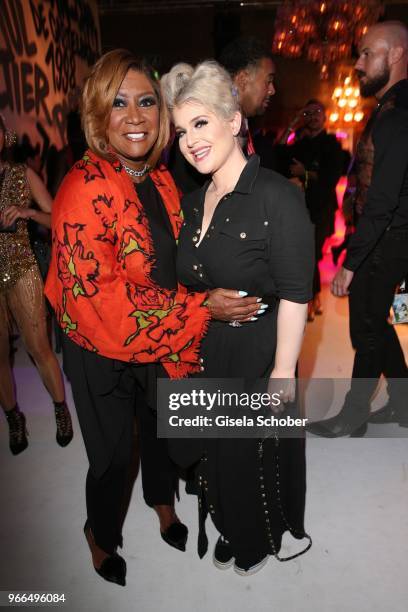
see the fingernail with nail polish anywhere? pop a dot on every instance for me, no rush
(253, 319)
(242, 293)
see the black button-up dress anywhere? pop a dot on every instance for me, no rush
(260, 240)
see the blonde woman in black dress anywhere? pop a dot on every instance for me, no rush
(246, 228)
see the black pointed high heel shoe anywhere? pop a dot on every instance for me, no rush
(17, 430)
(113, 568)
(176, 535)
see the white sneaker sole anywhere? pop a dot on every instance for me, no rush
(223, 566)
(252, 570)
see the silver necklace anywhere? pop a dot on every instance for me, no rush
(136, 173)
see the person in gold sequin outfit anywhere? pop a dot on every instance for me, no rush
(21, 295)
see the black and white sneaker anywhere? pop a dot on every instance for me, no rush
(222, 556)
(251, 569)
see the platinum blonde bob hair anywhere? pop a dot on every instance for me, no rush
(208, 84)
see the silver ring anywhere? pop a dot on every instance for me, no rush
(235, 323)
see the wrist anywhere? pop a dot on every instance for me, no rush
(283, 373)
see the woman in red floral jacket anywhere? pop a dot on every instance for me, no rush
(113, 286)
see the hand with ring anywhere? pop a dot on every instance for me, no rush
(234, 306)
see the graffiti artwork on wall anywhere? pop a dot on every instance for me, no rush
(46, 50)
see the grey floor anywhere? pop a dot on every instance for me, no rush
(356, 513)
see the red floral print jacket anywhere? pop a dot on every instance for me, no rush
(99, 281)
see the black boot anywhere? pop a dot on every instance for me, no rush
(17, 430)
(350, 421)
(390, 413)
(64, 424)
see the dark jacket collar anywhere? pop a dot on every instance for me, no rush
(246, 180)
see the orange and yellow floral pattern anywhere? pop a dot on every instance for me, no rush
(99, 282)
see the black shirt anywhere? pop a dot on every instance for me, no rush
(321, 154)
(387, 196)
(260, 239)
(164, 243)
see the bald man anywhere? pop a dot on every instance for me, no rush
(377, 256)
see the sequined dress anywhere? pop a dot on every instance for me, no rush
(16, 255)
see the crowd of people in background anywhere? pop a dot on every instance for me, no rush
(144, 287)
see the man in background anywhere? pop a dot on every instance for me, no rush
(317, 159)
(377, 255)
(252, 70)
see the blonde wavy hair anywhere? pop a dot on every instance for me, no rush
(98, 96)
(208, 84)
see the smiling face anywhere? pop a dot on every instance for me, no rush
(256, 87)
(372, 67)
(206, 140)
(134, 121)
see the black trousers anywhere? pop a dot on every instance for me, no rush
(320, 237)
(108, 394)
(375, 341)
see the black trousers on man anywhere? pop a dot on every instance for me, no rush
(108, 394)
(375, 341)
